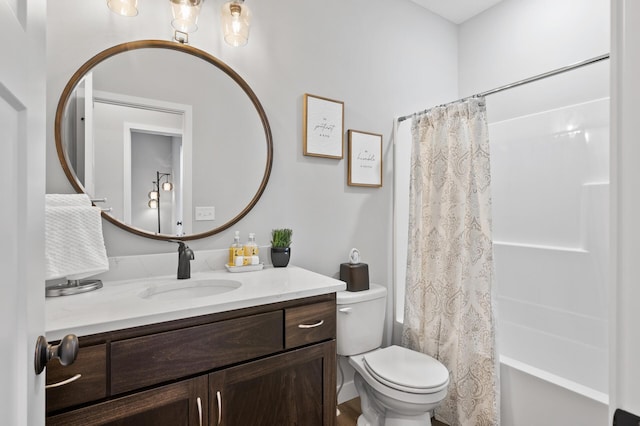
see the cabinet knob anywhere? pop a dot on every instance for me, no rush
(66, 351)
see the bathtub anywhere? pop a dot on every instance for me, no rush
(552, 336)
(533, 397)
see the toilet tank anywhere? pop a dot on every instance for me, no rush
(360, 319)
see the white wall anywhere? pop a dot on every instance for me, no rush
(517, 39)
(383, 58)
(625, 291)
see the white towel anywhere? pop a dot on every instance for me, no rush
(74, 244)
(59, 200)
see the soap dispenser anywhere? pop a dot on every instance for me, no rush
(251, 251)
(235, 249)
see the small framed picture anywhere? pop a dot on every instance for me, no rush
(323, 127)
(365, 159)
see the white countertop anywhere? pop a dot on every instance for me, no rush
(119, 304)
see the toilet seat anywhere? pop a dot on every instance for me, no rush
(406, 370)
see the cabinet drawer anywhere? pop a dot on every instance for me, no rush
(91, 364)
(309, 324)
(148, 360)
(171, 405)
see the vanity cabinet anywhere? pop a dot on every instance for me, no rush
(266, 365)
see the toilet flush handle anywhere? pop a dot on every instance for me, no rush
(345, 310)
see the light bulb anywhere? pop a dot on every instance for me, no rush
(123, 7)
(236, 20)
(235, 24)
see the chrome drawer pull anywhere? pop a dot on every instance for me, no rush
(64, 382)
(318, 324)
(219, 398)
(199, 403)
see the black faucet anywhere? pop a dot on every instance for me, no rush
(185, 256)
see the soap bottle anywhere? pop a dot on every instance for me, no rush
(235, 249)
(250, 249)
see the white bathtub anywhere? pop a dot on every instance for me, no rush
(552, 337)
(533, 397)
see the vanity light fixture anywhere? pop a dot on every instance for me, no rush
(185, 18)
(236, 19)
(123, 7)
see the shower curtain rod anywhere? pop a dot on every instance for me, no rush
(525, 81)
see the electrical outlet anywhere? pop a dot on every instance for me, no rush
(205, 213)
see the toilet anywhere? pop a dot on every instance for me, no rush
(397, 386)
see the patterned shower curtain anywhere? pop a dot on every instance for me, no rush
(449, 309)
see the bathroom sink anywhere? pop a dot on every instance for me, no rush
(189, 289)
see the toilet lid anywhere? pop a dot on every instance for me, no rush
(407, 370)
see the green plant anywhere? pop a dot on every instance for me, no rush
(281, 237)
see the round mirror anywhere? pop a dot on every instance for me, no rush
(168, 140)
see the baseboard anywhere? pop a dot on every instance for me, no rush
(347, 392)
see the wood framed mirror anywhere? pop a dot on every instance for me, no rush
(173, 140)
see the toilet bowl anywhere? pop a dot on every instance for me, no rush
(397, 386)
(400, 385)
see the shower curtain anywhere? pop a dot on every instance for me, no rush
(449, 306)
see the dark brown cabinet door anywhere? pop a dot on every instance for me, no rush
(179, 404)
(294, 388)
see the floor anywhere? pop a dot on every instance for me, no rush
(350, 410)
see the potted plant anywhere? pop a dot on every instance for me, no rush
(280, 247)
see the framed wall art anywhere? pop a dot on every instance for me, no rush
(323, 127)
(365, 159)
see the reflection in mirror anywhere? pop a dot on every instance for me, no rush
(127, 141)
(147, 113)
